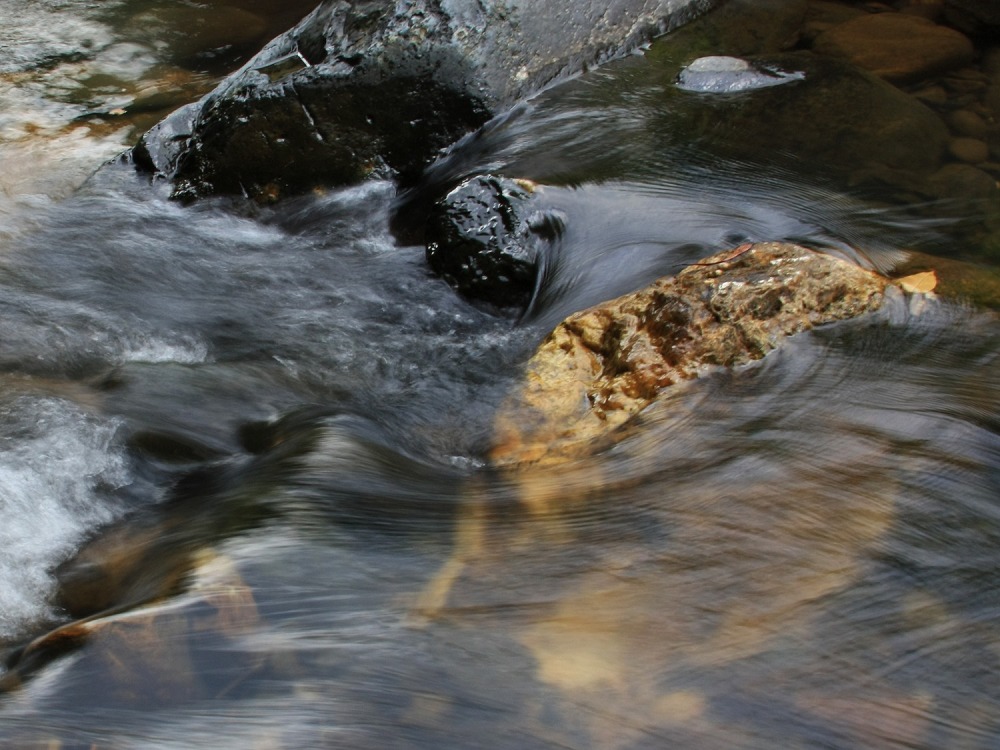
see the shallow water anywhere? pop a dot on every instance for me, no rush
(800, 553)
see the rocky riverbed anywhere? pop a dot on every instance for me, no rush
(303, 465)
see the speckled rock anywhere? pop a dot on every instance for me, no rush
(899, 47)
(600, 367)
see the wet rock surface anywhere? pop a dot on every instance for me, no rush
(600, 367)
(485, 238)
(378, 88)
(899, 47)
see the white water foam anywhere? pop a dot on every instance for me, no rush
(184, 351)
(41, 31)
(57, 467)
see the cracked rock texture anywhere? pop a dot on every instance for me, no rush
(600, 367)
(379, 87)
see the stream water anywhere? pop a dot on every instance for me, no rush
(800, 554)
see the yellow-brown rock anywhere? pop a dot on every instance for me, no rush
(601, 366)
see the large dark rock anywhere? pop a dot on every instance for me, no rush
(484, 238)
(379, 87)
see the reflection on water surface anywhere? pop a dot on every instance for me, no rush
(284, 419)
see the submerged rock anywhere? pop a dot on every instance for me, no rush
(378, 88)
(484, 239)
(600, 367)
(146, 656)
(807, 122)
(769, 550)
(899, 47)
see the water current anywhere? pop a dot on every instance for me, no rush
(799, 553)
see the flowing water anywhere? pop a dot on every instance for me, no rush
(800, 553)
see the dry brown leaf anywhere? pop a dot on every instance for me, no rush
(919, 283)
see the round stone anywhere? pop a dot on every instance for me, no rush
(969, 150)
(965, 123)
(962, 181)
(899, 47)
(933, 96)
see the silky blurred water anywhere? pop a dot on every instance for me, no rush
(801, 553)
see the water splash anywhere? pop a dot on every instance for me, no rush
(59, 467)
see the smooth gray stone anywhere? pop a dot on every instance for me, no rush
(724, 75)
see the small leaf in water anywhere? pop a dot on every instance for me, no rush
(918, 283)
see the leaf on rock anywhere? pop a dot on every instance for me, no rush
(919, 283)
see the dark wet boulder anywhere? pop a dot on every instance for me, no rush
(485, 239)
(377, 88)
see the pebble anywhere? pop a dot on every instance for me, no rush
(965, 85)
(965, 123)
(969, 150)
(962, 181)
(933, 96)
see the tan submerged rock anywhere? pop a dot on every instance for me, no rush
(750, 560)
(600, 367)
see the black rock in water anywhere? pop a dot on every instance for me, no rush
(377, 88)
(485, 239)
